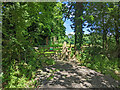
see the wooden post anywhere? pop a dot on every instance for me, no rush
(47, 40)
(54, 40)
(69, 52)
(63, 51)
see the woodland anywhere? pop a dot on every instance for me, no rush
(34, 39)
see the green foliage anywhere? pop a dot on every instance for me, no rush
(55, 45)
(72, 53)
(51, 77)
(49, 61)
(25, 24)
(92, 18)
(100, 63)
(70, 39)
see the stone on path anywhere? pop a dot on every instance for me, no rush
(73, 76)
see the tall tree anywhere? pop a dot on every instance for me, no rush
(78, 24)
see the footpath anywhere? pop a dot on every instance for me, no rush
(68, 74)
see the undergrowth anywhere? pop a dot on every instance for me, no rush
(21, 74)
(100, 62)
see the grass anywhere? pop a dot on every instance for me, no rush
(100, 63)
(49, 52)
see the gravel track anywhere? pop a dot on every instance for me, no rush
(68, 74)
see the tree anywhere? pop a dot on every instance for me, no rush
(24, 25)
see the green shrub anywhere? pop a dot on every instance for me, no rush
(50, 62)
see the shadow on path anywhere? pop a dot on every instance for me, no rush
(67, 75)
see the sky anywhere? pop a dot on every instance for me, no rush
(68, 23)
(69, 29)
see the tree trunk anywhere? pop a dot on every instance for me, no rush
(117, 34)
(78, 25)
(75, 40)
(104, 29)
(47, 40)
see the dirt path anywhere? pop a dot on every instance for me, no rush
(66, 74)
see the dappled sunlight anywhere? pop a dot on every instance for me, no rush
(60, 45)
(70, 76)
